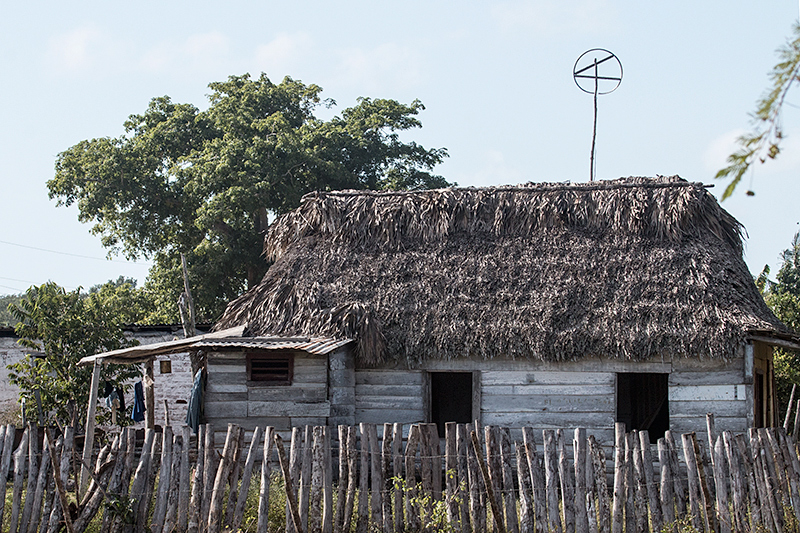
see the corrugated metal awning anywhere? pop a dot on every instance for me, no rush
(138, 354)
(317, 346)
(228, 338)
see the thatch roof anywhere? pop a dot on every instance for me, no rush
(633, 268)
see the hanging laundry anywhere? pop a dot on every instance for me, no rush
(195, 406)
(112, 396)
(138, 402)
(121, 396)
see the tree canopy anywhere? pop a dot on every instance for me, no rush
(763, 143)
(62, 327)
(783, 297)
(207, 183)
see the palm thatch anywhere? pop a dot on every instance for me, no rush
(633, 268)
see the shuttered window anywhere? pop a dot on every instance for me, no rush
(270, 368)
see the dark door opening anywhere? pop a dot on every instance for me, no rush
(451, 398)
(643, 403)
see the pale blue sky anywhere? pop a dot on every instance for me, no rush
(495, 78)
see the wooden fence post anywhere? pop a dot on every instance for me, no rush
(619, 478)
(497, 511)
(291, 502)
(579, 444)
(397, 470)
(263, 497)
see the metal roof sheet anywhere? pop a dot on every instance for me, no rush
(317, 346)
(229, 338)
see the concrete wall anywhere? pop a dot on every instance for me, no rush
(174, 387)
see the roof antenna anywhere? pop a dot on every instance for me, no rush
(589, 79)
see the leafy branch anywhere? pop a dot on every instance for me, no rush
(763, 143)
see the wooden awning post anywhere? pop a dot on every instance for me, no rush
(88, 442)
(149, 395)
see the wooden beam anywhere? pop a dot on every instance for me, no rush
(781, 343)
(88, 442)
(149, 395)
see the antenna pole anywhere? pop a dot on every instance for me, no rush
(583, 71)
(594, 125)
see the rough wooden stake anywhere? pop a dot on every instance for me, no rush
(41, 485)
(650, 481)
(315, 492)
(526, 518)
(305, 476)
(295, 465)
(223, 474)
(62, 493)
(451, 467)
(341, 498)
(477, 508)
(667, 492)
(412, 512)
(173, 494)
(510, 499)
(247, 475)
(362, 522)
(789, 408)
(19, 470)
(88, 442)
(327, 482)
(397, 471)
(5, 463)
(352, 470)
(376, 505)
(196, 502)
(579, 445)
(183, 477)
(497, 512)
(619, 478)
(386, 475)
(721, 473)
(737, 483)
(164, 479)
(263, 497)
(537, 480)
(209, 473)
(462, 476)
(233, 481)
(551, 480)
(287, 481)
(601, 484)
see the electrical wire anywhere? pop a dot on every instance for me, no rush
(72, 255)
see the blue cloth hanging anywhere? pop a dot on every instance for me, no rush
(138, 402)
(195, 402)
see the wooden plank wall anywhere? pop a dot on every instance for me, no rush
(513, 394)
(229, 398)
(395, 394)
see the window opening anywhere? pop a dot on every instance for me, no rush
(643, 403)
(165, 366)
(270, 368)
(451, 398)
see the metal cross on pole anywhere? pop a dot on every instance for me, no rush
(588, 78)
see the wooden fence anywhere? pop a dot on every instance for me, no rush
(350, 479)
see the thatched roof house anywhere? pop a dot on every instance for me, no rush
(634, 276)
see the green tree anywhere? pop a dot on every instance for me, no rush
(62, 327)
(6, 318)
(206, 183)
(783, 297)
(763, 143)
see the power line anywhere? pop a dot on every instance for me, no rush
(72, 255)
